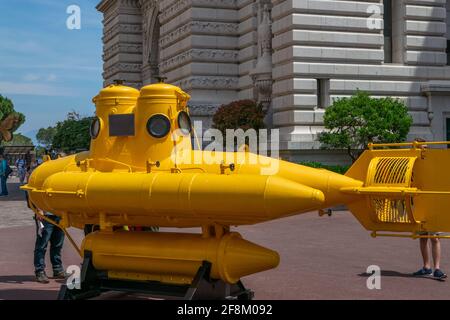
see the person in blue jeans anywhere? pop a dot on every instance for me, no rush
(48, 233)
(21, 168)
(3, 176)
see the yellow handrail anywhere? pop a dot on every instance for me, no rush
(375, 234)
(371, 146)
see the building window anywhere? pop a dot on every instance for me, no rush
(323, 93)
(387, 17)
(394, 35)
(448, 52)
(447, 6)
(448, 130)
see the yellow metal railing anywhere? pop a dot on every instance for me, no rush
(412, 235)
(391, 172)
(414, 144)
(392, 210)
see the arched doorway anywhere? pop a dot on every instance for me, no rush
(151, 33)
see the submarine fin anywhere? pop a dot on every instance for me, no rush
(406, 188)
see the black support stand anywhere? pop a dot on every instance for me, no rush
(95, 282)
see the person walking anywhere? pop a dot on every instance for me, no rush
(21, 165)
(46, 233)
(3, 175)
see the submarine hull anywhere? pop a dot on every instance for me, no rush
(176, 257)
(167, 199)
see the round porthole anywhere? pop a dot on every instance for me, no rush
(158, 126)
(95, 127)
(184, 123)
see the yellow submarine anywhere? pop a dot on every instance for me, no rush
(142, 170)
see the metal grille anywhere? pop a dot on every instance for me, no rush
(394, 172)
(391, 171)
(388, 210)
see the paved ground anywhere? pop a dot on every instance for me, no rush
(13, 209)
(321, 258)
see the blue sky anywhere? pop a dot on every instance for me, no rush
(45, 68)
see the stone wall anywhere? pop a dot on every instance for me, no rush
(317, 50)
(199, 51)
(331, 40)
(122, 41)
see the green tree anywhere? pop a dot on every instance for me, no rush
(352, 123)
(72, 135)
(19, 140)
(243, 114)
(40, 151)
(45, 136)
(10, 120)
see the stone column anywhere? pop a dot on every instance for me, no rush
(438, 95)
(122, 41)
(262, 74)
(151, 35)
(199, 52)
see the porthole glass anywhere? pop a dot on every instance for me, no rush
(184, 123)
(158, 126)
(94, 130)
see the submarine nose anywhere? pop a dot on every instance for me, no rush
(243, 258)
(284, 197)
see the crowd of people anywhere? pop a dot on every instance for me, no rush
(23, 169)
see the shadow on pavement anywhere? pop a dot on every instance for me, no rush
(15, 194)
(17, 279)
(390, 273)
(30, 294)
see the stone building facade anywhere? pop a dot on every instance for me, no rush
(295, 56)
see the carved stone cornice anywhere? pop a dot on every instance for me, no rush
(114, 8)
(205, 110)
(134, 84)
(105, 5)
(121, 48)
(209, 82)
(148, 4)
(204, 55)
(122, 67)
(182, 5)
(199, 27)
(129, 3)
(121, 28)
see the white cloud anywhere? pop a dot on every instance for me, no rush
(35, 89)
(22, 47)
(30, 77)
(66, 66)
